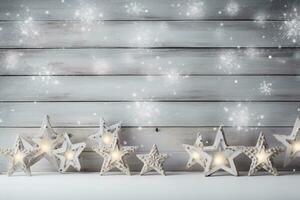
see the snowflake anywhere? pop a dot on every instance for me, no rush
(87, 15)
(145, 111)
(291, 27)
(265, 88)
(232, 8)
(228, 62)
(135, 8)
(28, 29)
(195, 8)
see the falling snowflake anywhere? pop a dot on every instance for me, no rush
(172, 76)
(145, 111)
(240, 116)
(28, 29)
(291, 27)
(232, 8)
(228, 62)
(265, 88)
(87, 15)
(195, 8)
(134, 8)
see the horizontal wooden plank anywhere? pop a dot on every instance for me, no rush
(144, 10)
(149, 88)
(168, 139)
(58, 34)
(151, 113)
(152, 62)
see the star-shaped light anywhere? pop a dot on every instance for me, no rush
(291, 143)
(221, 156)
(68, 154)
(47, 141)
(196, 153)
(262, 156)
(105, 136)
(114, 157)
(153, 160)
(19, 157)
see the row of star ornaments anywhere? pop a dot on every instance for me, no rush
(58, 150)
(220, 156)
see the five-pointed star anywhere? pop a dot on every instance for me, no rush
(46, 143)
(221, 156)
(196, 153)
(19, 157)
(291, 143)
(68, 154)
(262, 156)
(105, 136)
(114, 157)
(153, 160)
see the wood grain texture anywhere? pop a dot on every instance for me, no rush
(145, 10)
(151, 113)
(69, 34)
(148, 88)
(169, 140)
(148, 61)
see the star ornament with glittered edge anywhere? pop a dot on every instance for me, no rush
(47, 141)
(153, 161)
(291, 143)
(68, 154)
(221, 156)
(196, 152)
(114, 157)
(19, 157)
(105, 136)
(261, 156)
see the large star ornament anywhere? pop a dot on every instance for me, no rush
(196, 153)
(105, 136)
(47, 141)
(262, 156)
(114, 157)
(221, 156)
(153, 161)
(68, 154)
(291, 143)
(19, 157)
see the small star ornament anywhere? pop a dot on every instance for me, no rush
(153, 161)
(291, 143)
(68, 154)
(105, 135)
(221, 156)
(114, 157)
(262, 156)
(47, 141)
(196, 152)
(19, 157)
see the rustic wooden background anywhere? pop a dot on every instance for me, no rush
(150, 64)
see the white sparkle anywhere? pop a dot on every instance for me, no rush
(228, 62)
(135, 8)
(291, 27)
(232, 8)
(265, 88)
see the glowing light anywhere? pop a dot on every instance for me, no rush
(116, 155)
(19, 157)
(296, 146)
(87, 15)
(219, 159)
(265, 88)
(196, 155)
(28, 29)
(69, 155)
(262, 156)
(107, 139)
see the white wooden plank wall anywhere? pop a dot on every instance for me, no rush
(182, 66)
